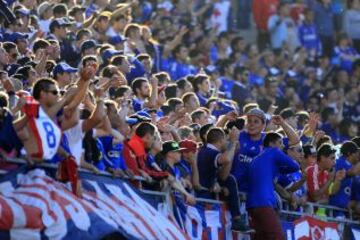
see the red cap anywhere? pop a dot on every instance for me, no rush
(189, 145)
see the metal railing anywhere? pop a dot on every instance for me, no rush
(307, 210)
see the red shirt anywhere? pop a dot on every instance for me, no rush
(316, 179)
(262, 10)
(135, 158)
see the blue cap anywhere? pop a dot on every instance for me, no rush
(117, 39)
(109, 53)
(59, 22)
(23, 11)
(88, 44)
(63, 67)
(13, 37)
(211, 69)
(143, 113)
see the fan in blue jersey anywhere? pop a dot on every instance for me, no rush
(251, 143)
(349, 161)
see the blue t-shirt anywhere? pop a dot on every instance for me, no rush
(262, 172)
(242, 159)
(207, 165)
(342, 197)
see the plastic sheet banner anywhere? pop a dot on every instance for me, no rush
(34, 206)
(308, 228)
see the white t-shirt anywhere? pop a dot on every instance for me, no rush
(75, 137)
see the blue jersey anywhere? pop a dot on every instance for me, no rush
(226, 86)
(242, 159)
(342, 197)
(138, 105)
(287, 180)
(345, 64)
(262, 172)
(113, 152)
(207, 165)
(309, 38)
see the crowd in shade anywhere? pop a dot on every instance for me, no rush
(172, 91)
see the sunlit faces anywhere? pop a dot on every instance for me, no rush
(254, 125)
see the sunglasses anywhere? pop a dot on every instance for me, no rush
(54, 92)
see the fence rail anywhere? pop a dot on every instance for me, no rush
(285, 209)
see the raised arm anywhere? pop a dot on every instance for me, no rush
(289, 131)
(226, 158)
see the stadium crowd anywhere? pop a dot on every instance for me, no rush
(171, 91)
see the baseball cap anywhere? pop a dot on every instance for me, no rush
(17, 35)
(135, 119)
(63, 67)
(109, 53)
(23, 11)
(43, 7)
(59, 22)
(188, 145)
(171, 146)
(326, 150)
(88, 44)
(117, 39)
(210, 69)
(143, 113)
(309, 150)
(258, 113)
(75, 9)
(348, 148)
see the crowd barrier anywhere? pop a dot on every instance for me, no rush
(285, 211)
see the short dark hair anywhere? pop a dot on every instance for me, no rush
(181, 83)
(117, 60)
(8, 46)
(88, 59)
(41, 85)
(143, 56)
(4, 100)
(137, 83)
(108, 71)
(198, 80)
(214, 135)
(130, 28)
(203, 132)
(173, 102)
(40, 44)
(145, 128)
(170, 91)
(196, 114)
(162, 76)
(186, 97)
(82, 32)
(271, 137)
